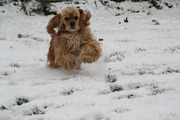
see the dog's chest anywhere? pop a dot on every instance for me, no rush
(74, 41)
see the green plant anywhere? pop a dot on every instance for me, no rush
(3, 107)
(15, 65)
(36, 111)
(110, 78)
(20, 101)
(69, 91)
(115, 88)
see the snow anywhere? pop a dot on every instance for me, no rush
(141, 59)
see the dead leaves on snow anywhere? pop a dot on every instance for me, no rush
(155, 22)
(126, 20)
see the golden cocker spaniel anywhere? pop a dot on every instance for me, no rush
(73, 43)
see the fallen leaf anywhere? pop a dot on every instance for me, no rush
(154, 21)
(135, 11)
(20, 35)
(149, 13)
(157, 23)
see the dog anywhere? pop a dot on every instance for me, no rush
(73, 43)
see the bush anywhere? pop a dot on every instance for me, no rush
(31, 7)
(132, 0)
(2, 2)
(129, 0)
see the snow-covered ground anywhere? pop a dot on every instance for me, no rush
(137, 77)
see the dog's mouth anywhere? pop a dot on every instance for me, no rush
(73, 29)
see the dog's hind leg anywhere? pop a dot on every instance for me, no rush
(51, 56)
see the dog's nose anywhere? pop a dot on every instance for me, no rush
(72, 24)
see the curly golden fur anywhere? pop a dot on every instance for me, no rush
(73, 43)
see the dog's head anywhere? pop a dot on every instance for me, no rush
(70, 19)
(73, 19)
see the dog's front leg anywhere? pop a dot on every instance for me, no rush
(66, 60)
(63, 56)
(91, 52)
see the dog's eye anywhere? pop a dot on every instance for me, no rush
(66, 18)
(76, 17)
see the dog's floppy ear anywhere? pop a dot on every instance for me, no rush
(81, 11)
(61, 27)
(88, 16)
(84, 18)
(53, 23)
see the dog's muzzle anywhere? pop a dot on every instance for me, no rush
(72, 25)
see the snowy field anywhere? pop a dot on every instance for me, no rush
(137, 77)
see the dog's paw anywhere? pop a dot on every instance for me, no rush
(88, 58)
(51, 65)
(68, 64)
